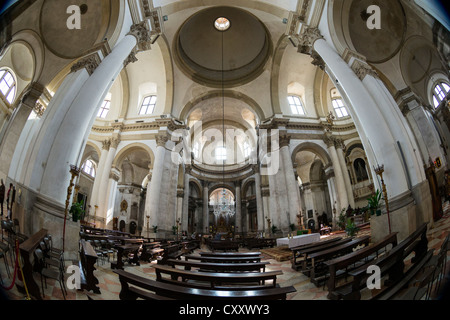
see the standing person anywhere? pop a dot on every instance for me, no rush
(2, 195)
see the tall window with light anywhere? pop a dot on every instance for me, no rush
(148, 105)
(221, 154)
(296, 105)
(7, 85)
(339, 108)
(89, 168)
(104, 109)
(439, 92)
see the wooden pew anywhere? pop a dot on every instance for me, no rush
(223, 245)
(124, 251)
(220, 267)
(318, 258)
(391, 264)
(364, 255)
(230, 254)
(160, 290)
(302, 256)
(88, 258)
(260, 243)
(151, 251)
(229, 259)
(170, 252)
(26, 249)
(215, 280)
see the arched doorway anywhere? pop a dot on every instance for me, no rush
(222, 201)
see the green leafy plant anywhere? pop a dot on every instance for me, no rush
(374, 203)
(155, 229)
(274, 229)
(77, 211)
(292, 226)
(351, 228)
(174, 229)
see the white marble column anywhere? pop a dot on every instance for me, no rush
(291, 184)
(68, 142)
(103, 192)
(370, 122)
(12, 130)
(238, 217)
(98, 174)
(114, 177)
(260, 206)
(205, 207)
(185, 210)
(153, 192)
(339, 177)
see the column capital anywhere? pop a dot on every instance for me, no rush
(90, 63)
(32, 94)
(142, 35)
(285, 139)
(114, 175)
(106, 144)
(255, 168)
(329, 140)
(188, 169)
(114, 142)
(307, 39)
(161, 139)
(362, 69)
(130, 59)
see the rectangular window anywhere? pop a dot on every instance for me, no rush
(148, 105)
(339, 108)
(221, 154)
(296, 105)
(104, 109)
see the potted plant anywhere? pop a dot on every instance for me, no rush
(351, 228)
(374, 203)
(155, 229)
(174, 230)
(274, 229)
(77, 211)
(292, 227)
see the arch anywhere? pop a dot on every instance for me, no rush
(196, 184)
(221, 185)
(314, 148)
(246, 185)
(218, 93)
(120, 156)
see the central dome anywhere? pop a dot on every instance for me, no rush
(199, 50)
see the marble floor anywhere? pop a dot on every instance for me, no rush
(110, 286)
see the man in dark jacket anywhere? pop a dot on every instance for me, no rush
(2, 195)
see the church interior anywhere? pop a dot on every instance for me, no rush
(238, 150)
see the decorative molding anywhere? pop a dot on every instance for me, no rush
(115, 142)
(161, 139)
(106, 144)
(90, 63)
(362, 69)
(130, 59)
(142, 35)
(307, 39)
(114, 176)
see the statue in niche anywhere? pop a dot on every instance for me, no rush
(360, 169)
(123, 207)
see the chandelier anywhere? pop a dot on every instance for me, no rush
(224, 206)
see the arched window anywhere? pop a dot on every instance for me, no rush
(221, 154)
(7, 85)
(296, 105)
(339, 108)
(104, 109)
(88, 167)
(439, 92)
(148, 105)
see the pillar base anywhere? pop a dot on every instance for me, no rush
(406, 213)
(50, 215)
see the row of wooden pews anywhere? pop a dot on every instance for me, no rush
(212, 276)
(343, 265)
